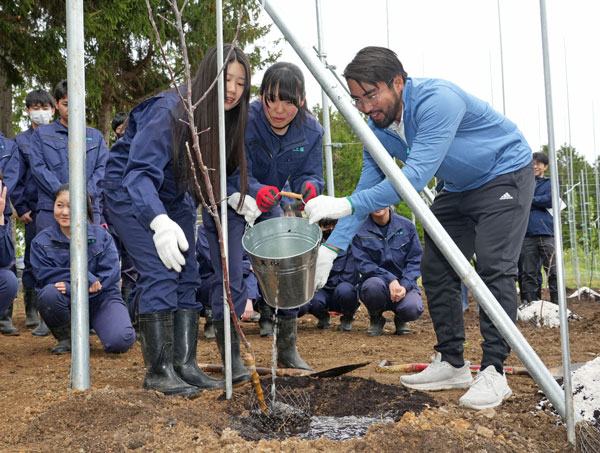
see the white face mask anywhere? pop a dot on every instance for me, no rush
(41, 116)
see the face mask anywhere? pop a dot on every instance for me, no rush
(41, 116)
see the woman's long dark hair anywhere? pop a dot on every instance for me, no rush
(285, 79)
(206, 118)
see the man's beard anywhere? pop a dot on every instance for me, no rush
(389, 115)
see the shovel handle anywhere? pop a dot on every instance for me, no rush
(291, 195)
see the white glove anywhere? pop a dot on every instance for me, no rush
(325, 207)
(325, 259)
(249, 209)
(169, 240)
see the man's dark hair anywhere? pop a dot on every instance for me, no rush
(38, 97)
(374, 64)
(60, 91)
(541, 158)
(118, 120)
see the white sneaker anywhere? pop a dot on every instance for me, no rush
(489, 389)
(439, 376)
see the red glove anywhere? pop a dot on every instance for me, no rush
(267, 198)
(308, 191)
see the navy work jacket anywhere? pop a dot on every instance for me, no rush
(9, 164)
(7, 248)
(25, 194)
(49, 160)
(540, 220)
(296, 156)
(51, 261)
(344, 269)
(395, 256)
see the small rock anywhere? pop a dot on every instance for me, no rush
(489, 412)
(484, 432)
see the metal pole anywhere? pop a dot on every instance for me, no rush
(223, 189)
(80, 326)
(596, 177)
(325, 102)
(568, 414)
(463, 268)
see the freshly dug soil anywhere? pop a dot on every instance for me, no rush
(38, 413)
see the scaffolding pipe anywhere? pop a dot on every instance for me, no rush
(505, 325)
(223, 190)
(567, 414)
(80, 326)
(325, 102)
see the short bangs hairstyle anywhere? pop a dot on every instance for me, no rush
(287, 81)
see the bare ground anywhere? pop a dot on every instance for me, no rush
(38, 413)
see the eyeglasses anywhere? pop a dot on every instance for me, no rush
(370, 99)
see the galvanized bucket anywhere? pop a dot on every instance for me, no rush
(283, 253)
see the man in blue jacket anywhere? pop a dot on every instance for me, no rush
(388, 255)
(438, 129)
(49, 160)
(538, 244)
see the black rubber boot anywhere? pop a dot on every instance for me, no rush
(239, 372)
(526, 299)
(41, 330)
(209, 327)
(157, 348)
(377, 321)
(266, 319)
(31, 316)
(323, 320)
(402, 327)
(346, 321)
(184, 356)
(554, 298)
(63, 335)
(6, 324)
(287, 353)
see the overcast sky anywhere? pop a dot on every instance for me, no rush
(460, 41)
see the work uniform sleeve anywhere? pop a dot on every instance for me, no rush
(7, 248)
(45, 269)
(149, 154)
(542, 198)
(98, 173)
(44, 177)
(18, 197)
(10, 166)
(106, 259)
(312, 170)
(412, 264)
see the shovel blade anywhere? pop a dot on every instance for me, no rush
(338, 370)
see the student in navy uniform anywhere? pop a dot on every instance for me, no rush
(388, 253)
(440, 130)
(148, 180)
(340, 293)
(538, 244)
(207, 274)
(39, 105)
(9, 166)
(51, 261)
(284, 143)
(9, 284)
(49, 160)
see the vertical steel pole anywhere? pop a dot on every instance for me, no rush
(325, 101)
(596, 178)
(450, 250)
(223, 189)
(558, 251)
(80, 327)
(584, 224)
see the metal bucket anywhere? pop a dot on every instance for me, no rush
(283, 253)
